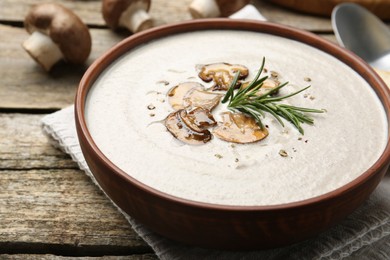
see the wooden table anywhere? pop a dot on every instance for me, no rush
(48, 207)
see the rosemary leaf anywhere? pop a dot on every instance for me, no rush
(272, 91)
(230, 92)
(252, 88)
(303, 109)
(272, 111)
(276, 99)
(254, 114)
(247, 101)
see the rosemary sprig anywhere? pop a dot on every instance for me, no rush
(247, 101)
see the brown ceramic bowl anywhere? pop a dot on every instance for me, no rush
(220, 226)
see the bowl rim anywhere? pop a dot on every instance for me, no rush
(345, 56)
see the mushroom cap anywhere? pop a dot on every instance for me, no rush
(198, 119)
(228, 7)
(268, 84)
(239, 128)
(113, 9)
(177, 94)
(191, 95)
(222, 74)
(185, 128)
(63, 27)
(201, 98)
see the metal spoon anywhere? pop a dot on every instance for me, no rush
(363, 33)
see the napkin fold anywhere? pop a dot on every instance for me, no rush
(365, 234)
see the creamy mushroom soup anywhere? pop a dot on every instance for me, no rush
(127, 105)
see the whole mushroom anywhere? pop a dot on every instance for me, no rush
(56, 34)
(130, 14)
(215, 8)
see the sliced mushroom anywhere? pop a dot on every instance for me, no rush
(201, 98)
(177, 93)
(191, 95)
(268, 84)
(56, 33)
(198, 119)
(184, 129)
(130, 14)
(215, 8)
(239, 128)
(222, 74)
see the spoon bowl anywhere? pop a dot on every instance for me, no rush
(363, 33)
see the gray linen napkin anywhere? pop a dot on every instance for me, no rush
(363, 235)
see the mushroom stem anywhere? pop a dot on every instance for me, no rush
(204, 9)
(42, 49)
(136, 20)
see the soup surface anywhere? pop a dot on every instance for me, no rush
(128, 102)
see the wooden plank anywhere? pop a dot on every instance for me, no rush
(16, 10)
(24, 146)
(330, 37)
(61, 212)
(48, 205)
(163, 12)
(24, 84)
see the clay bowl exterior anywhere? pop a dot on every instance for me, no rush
(219, 226)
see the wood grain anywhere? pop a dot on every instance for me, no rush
(26, 85)
(47, 203)
(163, 12)
(24, 146)
(63, 208)
(385, 75)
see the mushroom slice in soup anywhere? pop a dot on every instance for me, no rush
(191, 95)
(201, 98)
(222, 74)
(177, 93)
(198, 119)
(268, 85)
(184, 128)
(239, 128)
